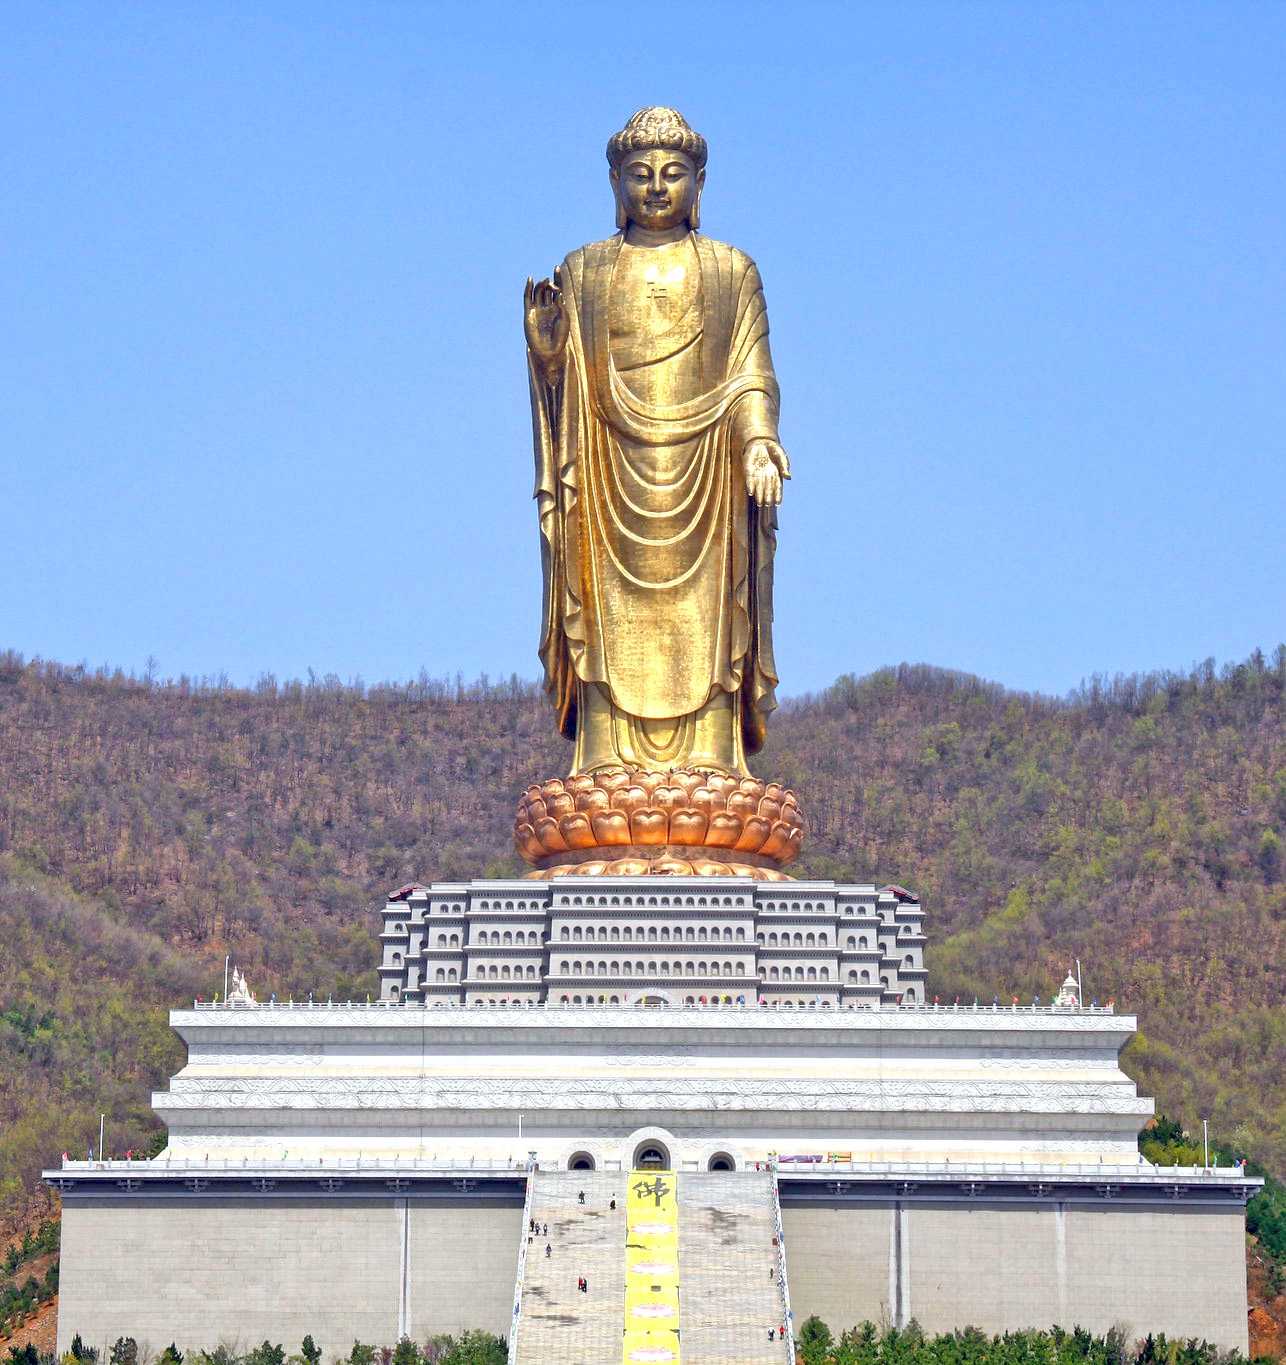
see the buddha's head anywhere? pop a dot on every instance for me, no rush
(658, 170)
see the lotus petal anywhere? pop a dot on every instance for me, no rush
(627, 867)
(777, 844)
(649, 826)
(688, 827)
(709, 800)
(711, 867)
(756, 830)
(550, 835)
(724, 830)
(577, 830)
(528, 843)
(610, 827)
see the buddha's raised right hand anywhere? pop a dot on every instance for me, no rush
(545, 320)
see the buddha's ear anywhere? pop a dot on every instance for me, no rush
(622, 219)
(694, 218)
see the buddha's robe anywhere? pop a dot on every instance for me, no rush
(657, 623)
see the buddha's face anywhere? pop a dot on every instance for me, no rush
(657, 188)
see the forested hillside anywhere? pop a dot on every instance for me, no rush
(147, 828)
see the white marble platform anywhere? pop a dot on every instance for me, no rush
(492, 1085)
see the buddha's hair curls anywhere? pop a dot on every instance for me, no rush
(655, 127)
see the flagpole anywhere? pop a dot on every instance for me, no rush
(226, 960)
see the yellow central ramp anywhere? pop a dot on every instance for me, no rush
(651, 1335)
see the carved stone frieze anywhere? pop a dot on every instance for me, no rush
(624, 1056)
(301, 1055)
(589, 1093)
(543, 1086)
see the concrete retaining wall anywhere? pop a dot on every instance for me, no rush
(199, 1272)
(1178, 1270)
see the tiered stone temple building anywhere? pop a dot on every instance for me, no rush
(678, 1062)
(791, 945)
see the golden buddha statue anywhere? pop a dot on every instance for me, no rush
(658, 474)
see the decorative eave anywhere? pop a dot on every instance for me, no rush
(1018, 1183)
(823, 1183)
(149, 1180)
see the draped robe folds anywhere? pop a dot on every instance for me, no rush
(656, 636)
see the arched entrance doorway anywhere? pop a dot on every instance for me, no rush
(580, 1161)
(651, 1155)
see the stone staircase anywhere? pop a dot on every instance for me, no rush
(727, 1301)
(557, 1322)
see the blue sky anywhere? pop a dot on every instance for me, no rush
(262, 370)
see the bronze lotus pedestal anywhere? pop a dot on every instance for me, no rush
(635, 821)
